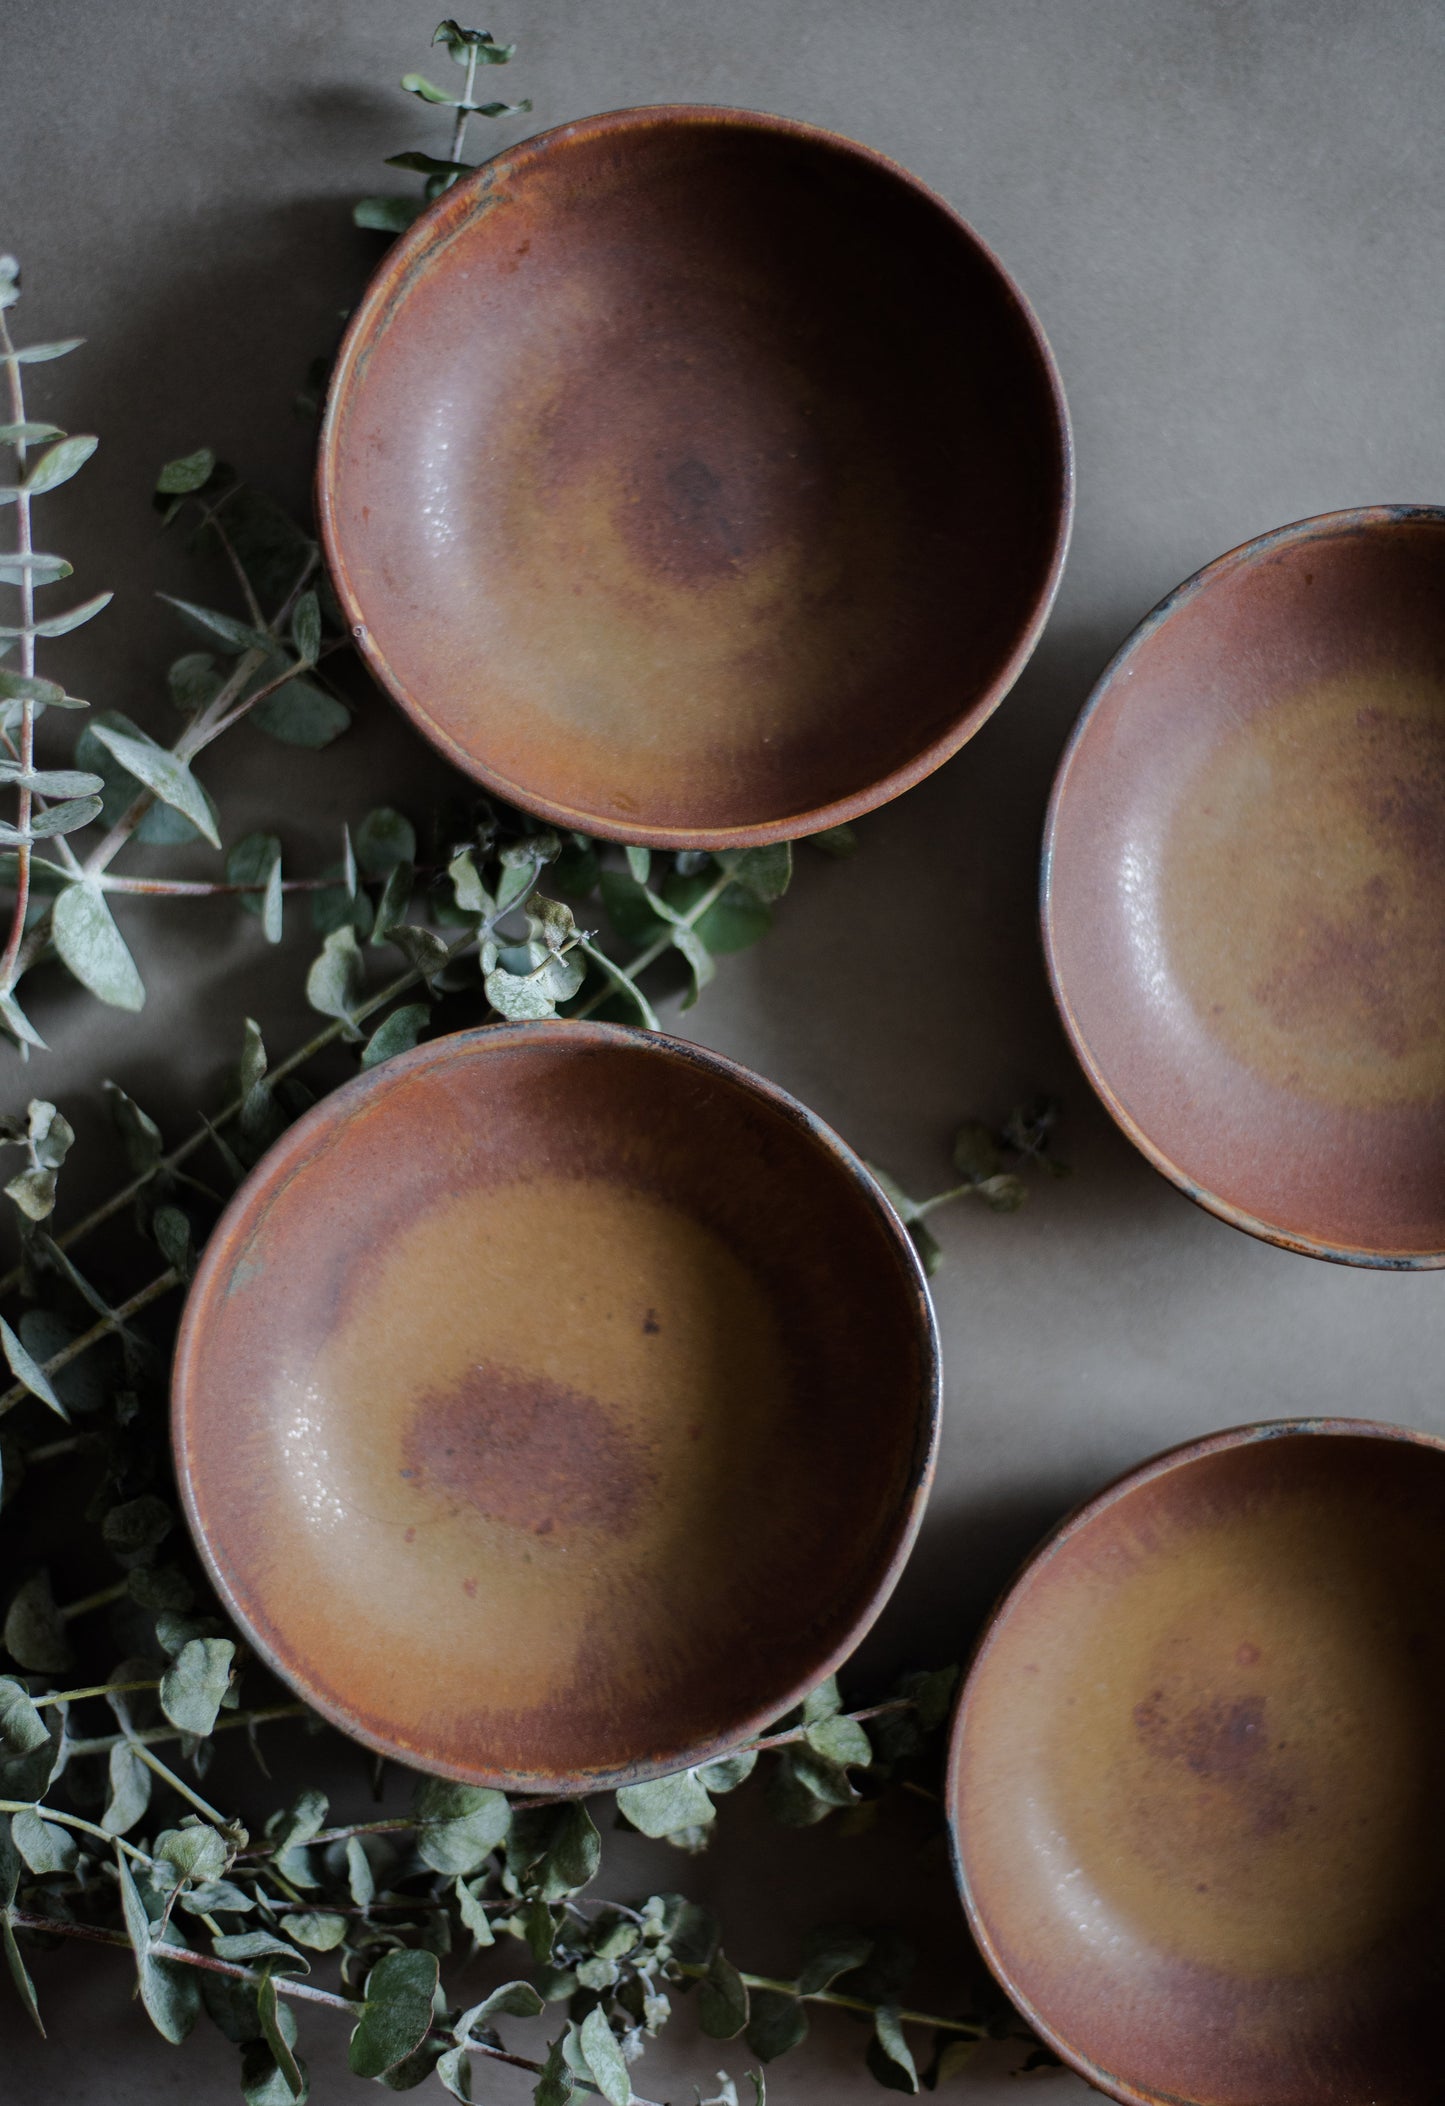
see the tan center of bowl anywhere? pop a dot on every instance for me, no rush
(1304, 890)
(487, 1425)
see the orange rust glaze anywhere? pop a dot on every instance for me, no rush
(556, 1405)
(1244, 895)
(693, 477)
(1195, 1788)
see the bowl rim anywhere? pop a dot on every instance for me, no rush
(275, 1169)
(1317, 527)
(1080, 1517)
(411, 252)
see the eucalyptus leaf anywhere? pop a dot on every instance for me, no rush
(167, 1989)
(667, 1804)
(889, 2056)
(59, 463)
(302, 714)
(472, 1910)
(335, 982)
(254, 860)
(73, 618)
(317, 1929)
(22, 1729)
(164, 776)
(306, 628)
(279, 2036)
(247, 1947)
(397, 1033)
(454, 2069)
(384, 839)
(555, 2086)
(397, 2013)
(38, 354)
(699, 960)
(417, 84)
(428, 164)
(395, 899)
(34, 1630)
(131, 1782)
(777, 2023)
(830, 1952)
(629, 909)
(604, 2058)
(263, 2081)
(462, 1824)
(509, 1999)
(765, 872)
(841, 1741)
(386, 215)
(25, 1370)
(46, 1847)
(197, 1850)
(729, 1771)
(64, 818)
(472, 46)
(19, 1972)
(722, 2000)
(137, 1524)
(94, 949)
(189, 472)
(217, 627)
(360, 1880)
(195, 1682)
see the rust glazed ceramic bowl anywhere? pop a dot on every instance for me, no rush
(1244, 887)
(555, 1405)
(694, 477)
(1195, 1789)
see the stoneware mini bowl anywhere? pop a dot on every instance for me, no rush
(1244, 887)
(694, 477)
(1195, 1786)
(555, 1405)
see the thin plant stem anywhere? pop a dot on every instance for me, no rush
(464, 115)
(285, 1985)
(73, 1696)
(115, 1321)
(177, 1784)
(23, 548)
(157, 1736)
(654, 950)
(71, 1820)
(969, 2028)
(201, 888)
(99, 1600)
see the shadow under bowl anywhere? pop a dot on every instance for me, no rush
(1194, 1790)
(694, 477)
(1244, 887)
(555, 1405)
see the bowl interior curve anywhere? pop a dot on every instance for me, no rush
(554, 1405)
(1196, 1782)
(1245, 890)
(694, 476)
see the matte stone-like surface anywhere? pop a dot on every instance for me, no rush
(1229, 219)
(652, 524)
(1244, 899)
(600, 1399)
(1193, 1776)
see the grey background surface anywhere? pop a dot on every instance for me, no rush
(1228, 214)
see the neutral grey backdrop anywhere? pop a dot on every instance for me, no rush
(1228, 214)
